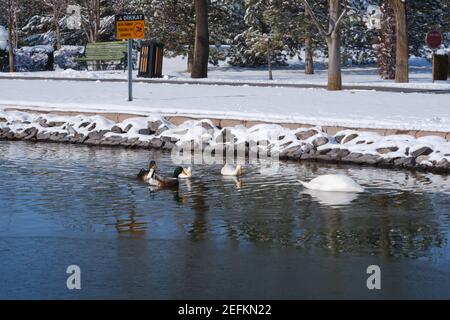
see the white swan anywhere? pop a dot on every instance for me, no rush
(333, 182)
(229, 170)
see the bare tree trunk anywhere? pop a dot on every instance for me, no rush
(334, 63)
(333, 39)
(386, 46)
(309, 62)
(96, 20)
(190, 59)
(334, 49)
(402, 50)
(57, 28)
(269, 65)
(10, 37)
(91, 37)
(15, 28)
(269, 58)
(201, 49)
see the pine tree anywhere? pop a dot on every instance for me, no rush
(58, 8)
(172, 22)
(271, 25)
(424, 16)
(357, 39)
(446, 18)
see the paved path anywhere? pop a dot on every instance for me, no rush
(238, 83)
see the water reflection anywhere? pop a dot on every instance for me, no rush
(332, 199)
(67, 188)
(237, 181)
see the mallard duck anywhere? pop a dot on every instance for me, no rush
(230, 170)
(333, 182)
(151, 177)
(181, 172)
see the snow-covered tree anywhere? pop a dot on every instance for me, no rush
(11, 8)
(90, 18)
(424, 16)
(357, 38)
(271, 30)
(446, 16)
(172, 22)
(58, 9)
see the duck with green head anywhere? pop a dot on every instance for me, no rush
(151, 177)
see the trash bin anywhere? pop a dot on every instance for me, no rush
(449, 65)
(150, 61)
(440, 67)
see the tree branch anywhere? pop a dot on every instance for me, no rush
(315, 20)
(333, 26)
(341, 17)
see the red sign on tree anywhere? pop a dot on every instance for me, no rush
(434, 39)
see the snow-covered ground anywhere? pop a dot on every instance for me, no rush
(348, 108)
(174, 69)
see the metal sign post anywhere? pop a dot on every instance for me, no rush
(130, 70)
(129, 27)
(434, 40)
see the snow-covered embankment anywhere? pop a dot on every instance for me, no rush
(430, 153)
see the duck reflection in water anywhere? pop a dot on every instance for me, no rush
(132, 224)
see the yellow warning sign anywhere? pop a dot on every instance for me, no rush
(130, 26)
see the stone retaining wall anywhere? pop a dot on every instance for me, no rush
(359, 147)
(222, 123)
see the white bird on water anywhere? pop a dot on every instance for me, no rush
(230, 170)
(334, 183)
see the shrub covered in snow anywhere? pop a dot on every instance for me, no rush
(3, 38)
(3, 46)
(65, 57)
(37, 58)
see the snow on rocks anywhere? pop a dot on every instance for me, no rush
(429, 153)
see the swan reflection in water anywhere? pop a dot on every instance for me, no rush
(234, 179)
(332, 199)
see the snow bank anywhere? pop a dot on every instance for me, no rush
(348, 108)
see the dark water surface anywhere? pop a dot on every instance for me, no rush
(261, 237)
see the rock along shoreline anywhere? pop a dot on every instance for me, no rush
(426, 154)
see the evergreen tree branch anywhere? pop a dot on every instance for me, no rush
(315, 20)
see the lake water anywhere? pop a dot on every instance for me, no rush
(261, 237)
